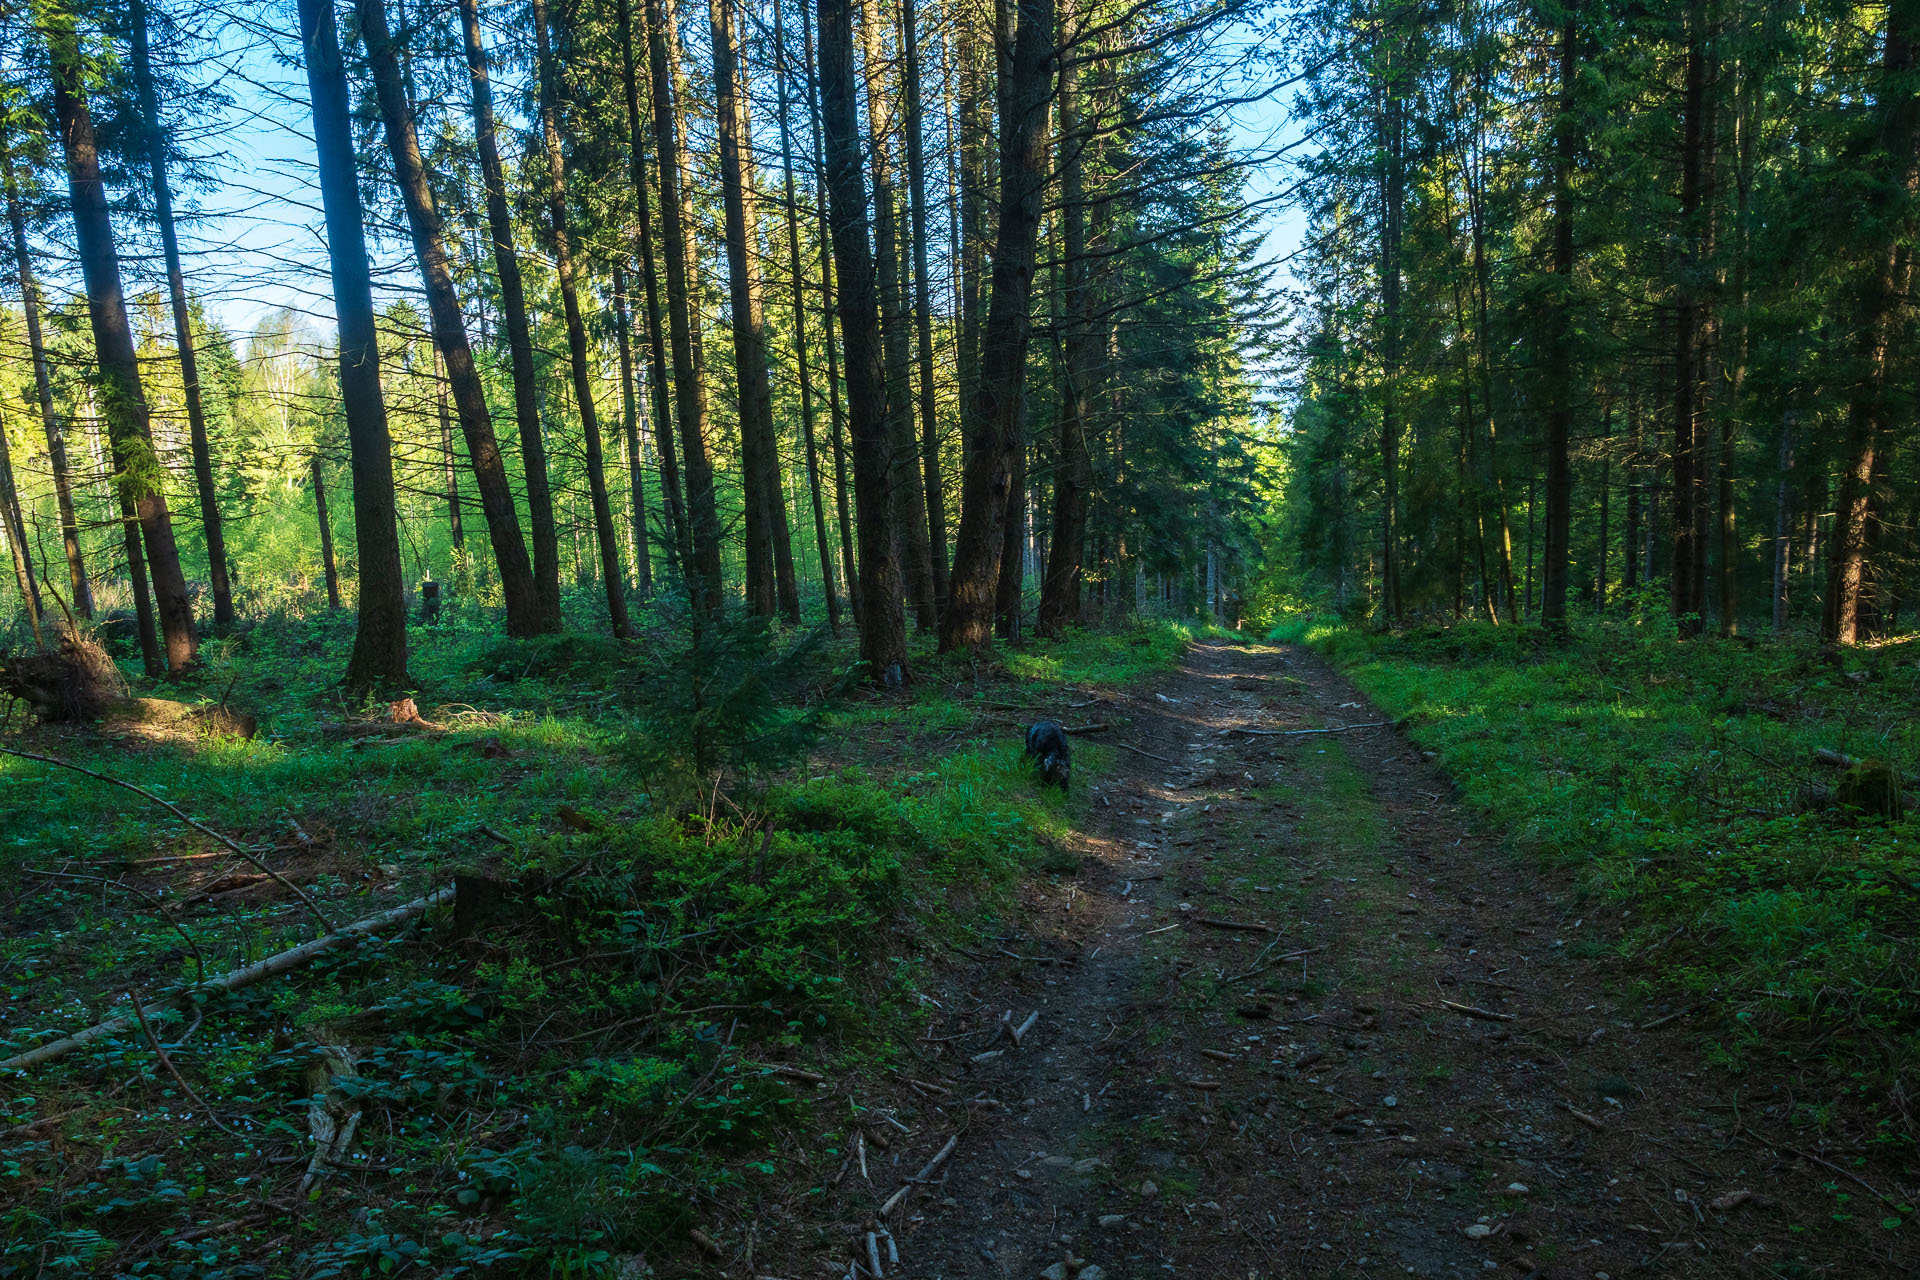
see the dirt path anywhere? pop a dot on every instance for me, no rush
(1297, 1019)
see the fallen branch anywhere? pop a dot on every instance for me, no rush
(1019, 1033)
(1237, 926)
(925, 1175)
(1148, 754)
(1475, 1011)
(1258, 966)
(1296, 733)
(147, 1030)
(1084, 728)
(235, 846)
(1584, 1118)
(253, 974)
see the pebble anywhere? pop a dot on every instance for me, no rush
(1112, 1220)
(1478, 1231)
(1517, 1188)
(1058, 1271)
(1389, 1101)
(1089, 1165)
(1149, 1188)
(1094, 1272)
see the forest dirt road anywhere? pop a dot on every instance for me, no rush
(1297, 1018)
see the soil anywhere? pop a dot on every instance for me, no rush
(1297, 1017)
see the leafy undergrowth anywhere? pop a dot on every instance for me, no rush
(610, 1034)
(1682, 778)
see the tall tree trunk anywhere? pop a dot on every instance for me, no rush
(1483, 357)
(50, 421)
(703, 517)
(673, 501)
(182, 322)
(1746, 148)
(513, 309)
(798, 279)
(611, 576)
(141, 476)
(936, 499)
(1633, 469)
(517, 580)
(769, 550)
(13, 525)
(631, 416)
(1689, 481)
(1560, 355)
(329, 568)
(883, 637)
(1783, 525)
(456, 526)
(909, 495)
(1393, 198)
(971, 252)
(379, 659)
(1880, 302)
(987, 482)
(849, 566)
(1081, 352)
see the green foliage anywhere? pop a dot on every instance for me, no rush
(1681, 779)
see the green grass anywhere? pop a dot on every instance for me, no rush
(1680, 779)
(567, 1083)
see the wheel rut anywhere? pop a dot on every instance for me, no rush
(1296, 1017)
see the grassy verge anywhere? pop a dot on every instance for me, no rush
(1682, 779)
(607, 1040)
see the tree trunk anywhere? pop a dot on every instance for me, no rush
(456, 527)
(629, 404)
(936, 500)
(703, 518)
(379, 658)
(513, 309)
(1688, 581)
(517, 579)
(770, 581)
(1560, 355)
(987, 481)
(1393, 199)
(1081, 353)
(54, 429)
(1869, 411)
(611, 576)
(849, 566)
(1783, 525)
(182, 322)
(673, 503)
(883, 639)
(798, 279)
(14, 526)
(141, 477)
(328, 568)
(909, 495)
(1634, 465)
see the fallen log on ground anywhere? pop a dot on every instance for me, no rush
(253, 974)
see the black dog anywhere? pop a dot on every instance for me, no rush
(1047, 747)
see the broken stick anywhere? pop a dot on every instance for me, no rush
(925, 1175)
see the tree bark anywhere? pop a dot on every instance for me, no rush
(770, 581)
(517, 583)
(642, 555)
(849, 566)
(673, 502)
(141, 476)
(513, 308)
(329, 569)
(703, 518)
(50, 422)
(1560, 356)
(798, 279)
(456, 527)
(1393, 199)
(883, 639)
(936, 500)
(13, 524)
(1081, 351)
(1688, 584)
(909, 496)
(1880, 303)
(986, 488)
(379, 659)
(182, 322)
(611, 576)
(1783, 525)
